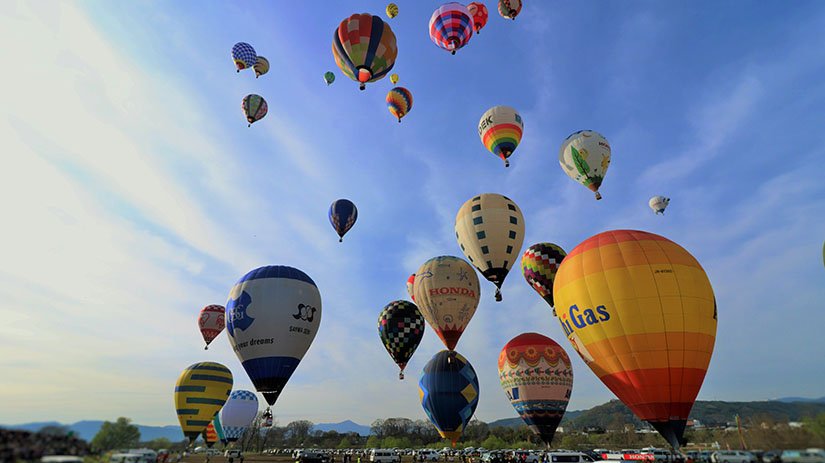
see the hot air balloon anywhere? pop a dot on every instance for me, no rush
(640, 311)
(342, 216)
(537, 377)
(329, 77)
(243, 55)
(399, 102)
(585, 157)
(272, 316)
(410, 282)
(254, 108)
(392, 10)
(216, 422)
(200, 392)
(261, 66)
(479, 13)
(400, 327)
(539, 265)
(448, 390)
(490, 231)
(364, 48)
(447, 293)
(509, 9)
(658, 204)
(500, 130)
(240, 409)
(211, 322)
(451, 26)
(394, 78)
(210, 436)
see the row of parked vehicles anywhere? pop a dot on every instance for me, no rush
(481, 455)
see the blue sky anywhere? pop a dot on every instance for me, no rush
(134, 194)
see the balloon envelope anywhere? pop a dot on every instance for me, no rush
(240, 409)
(479, 13)
(509, 9)
(210, 435)
(329, 77)
(364, 48)
(244, 56)
(200, 392)
(342, 216)
(585, 157)
(490, 231)
(400, 327)
(399, 102)
(218, 428)
(394, 78)
(539, 265)
(448, 390)
(272, 316)
(410, 283)
(211, 322)
(500, 130)
(640, 311)
(261, 66)
(447, 293)
(392, 10)
(536, 374)
(254, 108)
(658, 204)
(451, 26)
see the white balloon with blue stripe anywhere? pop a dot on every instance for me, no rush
(240, 410)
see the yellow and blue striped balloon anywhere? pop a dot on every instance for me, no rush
(200, 392)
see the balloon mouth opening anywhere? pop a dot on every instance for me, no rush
(364, 75)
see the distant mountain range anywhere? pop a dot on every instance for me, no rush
(344, 427)
(609, 415)
(87, 429)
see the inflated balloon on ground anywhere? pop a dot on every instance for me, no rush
(537, 376)
(640, 311)
(449, 391)
(200, 392)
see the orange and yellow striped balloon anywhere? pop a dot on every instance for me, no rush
(640, 311)
(200, 392)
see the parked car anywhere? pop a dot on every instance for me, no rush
(732, 456)
(427, 455)
(61, 459)
(569, 457)
(232, 455)
(125, 458)
(802, 456)
(493, 457)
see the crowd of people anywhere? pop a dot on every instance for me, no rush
(29, 446)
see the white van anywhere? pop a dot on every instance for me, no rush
(384, 456)
(803, 456)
